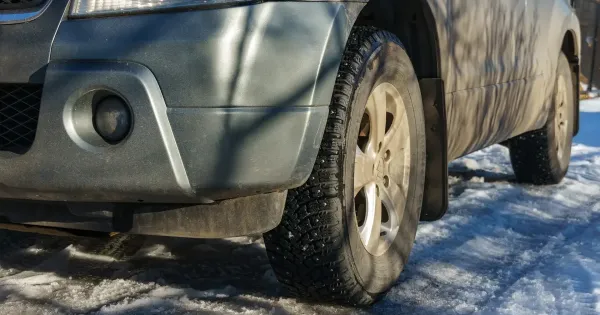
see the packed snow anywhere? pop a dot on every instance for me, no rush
(503, 248)
(590, 106)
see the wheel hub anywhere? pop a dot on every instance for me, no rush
(382, 167)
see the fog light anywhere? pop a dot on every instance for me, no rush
(112, 119)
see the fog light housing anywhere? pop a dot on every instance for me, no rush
(112, 119)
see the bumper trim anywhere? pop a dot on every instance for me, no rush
(172, 155)
(62, 166)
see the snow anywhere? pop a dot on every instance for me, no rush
(590, 106)
(590, 94)
(503, 248)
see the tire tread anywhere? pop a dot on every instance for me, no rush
(306, 250)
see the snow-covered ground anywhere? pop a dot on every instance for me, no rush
(503, 248)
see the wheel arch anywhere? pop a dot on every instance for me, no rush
(409, 20)
(570, 47)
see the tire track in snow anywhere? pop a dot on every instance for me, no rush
(498, 240)
(50, 282)
(494, 234)
(549, 252)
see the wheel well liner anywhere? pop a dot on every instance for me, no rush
(410, 20)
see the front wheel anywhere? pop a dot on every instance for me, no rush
(347, 233)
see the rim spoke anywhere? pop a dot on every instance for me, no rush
(386, 227)
(363, 170)
(399, 125)
(393, 197)
(377, 109)
(561, 118)
(371, 229)
(396, 138)
(397, 169)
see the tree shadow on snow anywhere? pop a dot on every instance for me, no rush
(212, 270)
(495, 234)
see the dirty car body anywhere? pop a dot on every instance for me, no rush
(228, 101)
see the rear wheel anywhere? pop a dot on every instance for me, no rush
(542, 157)
(347, 233)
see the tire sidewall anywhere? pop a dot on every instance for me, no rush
(387, 62)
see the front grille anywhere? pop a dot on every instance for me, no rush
(9, 5)
(19, 112)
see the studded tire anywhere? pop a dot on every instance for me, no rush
(542, 157)
(316, 251)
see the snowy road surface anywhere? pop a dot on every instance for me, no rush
(503, 248)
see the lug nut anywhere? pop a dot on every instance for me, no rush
(387, 155)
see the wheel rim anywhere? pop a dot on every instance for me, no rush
(382, 168)
(561, 121)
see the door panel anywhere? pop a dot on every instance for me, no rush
(487, 42)
(477, 127)
(492, 72)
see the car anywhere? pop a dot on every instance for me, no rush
(326, 125)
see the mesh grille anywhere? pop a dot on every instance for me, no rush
(19, 112)
(6, 5)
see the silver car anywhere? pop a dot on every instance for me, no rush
(326, 125)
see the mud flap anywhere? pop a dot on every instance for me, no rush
(435, 198)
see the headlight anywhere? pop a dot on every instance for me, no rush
(81, 8)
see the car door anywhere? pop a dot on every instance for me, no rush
(491, 72)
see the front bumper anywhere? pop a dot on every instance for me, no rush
(171, 155)
(226, 103)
